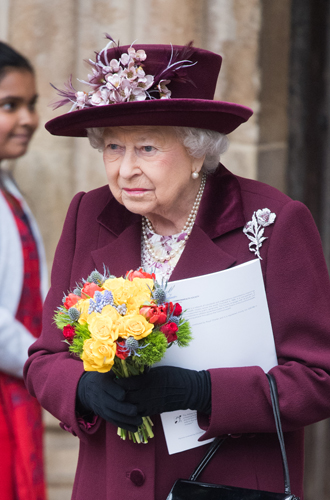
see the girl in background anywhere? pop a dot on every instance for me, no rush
(23, 284)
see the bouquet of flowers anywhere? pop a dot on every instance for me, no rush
(121, 324)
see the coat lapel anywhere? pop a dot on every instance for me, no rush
(221, 211)
(201, 256)
(123, 253)
(119, 239)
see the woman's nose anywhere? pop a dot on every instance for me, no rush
(129, 164)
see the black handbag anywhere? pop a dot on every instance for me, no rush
(193, 490)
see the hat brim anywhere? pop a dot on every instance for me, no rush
(223, 117)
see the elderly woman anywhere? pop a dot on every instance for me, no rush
(174, 210)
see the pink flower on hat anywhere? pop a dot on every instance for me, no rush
(82, 99)
(114, 65)
(100, 97)
(164, 92)
(139, 55)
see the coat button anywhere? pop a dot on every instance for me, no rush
(137, 477)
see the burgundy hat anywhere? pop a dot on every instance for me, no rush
(148, 85)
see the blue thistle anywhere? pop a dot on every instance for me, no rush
(132, 345)
(74, 313)
(159, 295)
(95, 277)
(77, 291)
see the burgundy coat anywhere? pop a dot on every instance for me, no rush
(99, 231)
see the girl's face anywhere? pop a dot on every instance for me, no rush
(18, 116)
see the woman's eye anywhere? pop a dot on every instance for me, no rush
(113, 147)
(148, 149)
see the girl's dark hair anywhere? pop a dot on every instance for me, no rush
(10, 58)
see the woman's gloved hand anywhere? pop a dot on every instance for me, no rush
(168, 388)
(97, 392)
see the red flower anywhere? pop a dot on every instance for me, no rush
(174, 309)
(121, 351)
(154, 314)
(169, 330)
(71, 300)
(89, 289)
(130, 275)
(177, 311)
(69, 332)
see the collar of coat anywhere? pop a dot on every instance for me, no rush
(220, 212)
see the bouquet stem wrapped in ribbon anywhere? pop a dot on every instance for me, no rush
(122, 324)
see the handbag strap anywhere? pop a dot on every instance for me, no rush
(277, 416)
(219, 440)
(216, 443)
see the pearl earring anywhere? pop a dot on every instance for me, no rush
(195, 175)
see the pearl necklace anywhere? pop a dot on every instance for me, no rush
(187, 228)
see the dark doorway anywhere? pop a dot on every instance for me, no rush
(308, 172)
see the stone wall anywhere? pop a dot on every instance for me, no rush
(57, 35)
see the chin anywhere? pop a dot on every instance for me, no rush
(12, 155)
(135, 207)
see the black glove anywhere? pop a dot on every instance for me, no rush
(97, 392)
(167, 388)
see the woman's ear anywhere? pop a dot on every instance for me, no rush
(197, 163)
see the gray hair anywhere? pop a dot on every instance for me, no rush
(197, 141)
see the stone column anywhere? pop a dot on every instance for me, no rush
(232, 29)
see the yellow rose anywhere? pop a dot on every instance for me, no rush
(102, 326)
(98, 356)
(143, 283)
(134, 325)
(83, 306)
(111, 312)
(134, 303)
(122, 289)
(141, 293)
(143, 287)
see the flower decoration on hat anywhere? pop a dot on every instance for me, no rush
(255, 228)
(123, 78)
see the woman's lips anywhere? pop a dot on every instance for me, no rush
(22, 137)
(135, 191)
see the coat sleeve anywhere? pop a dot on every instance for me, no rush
(51, 373)
(298, 294)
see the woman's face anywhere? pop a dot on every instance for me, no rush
(18, 116)
(149, 171)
